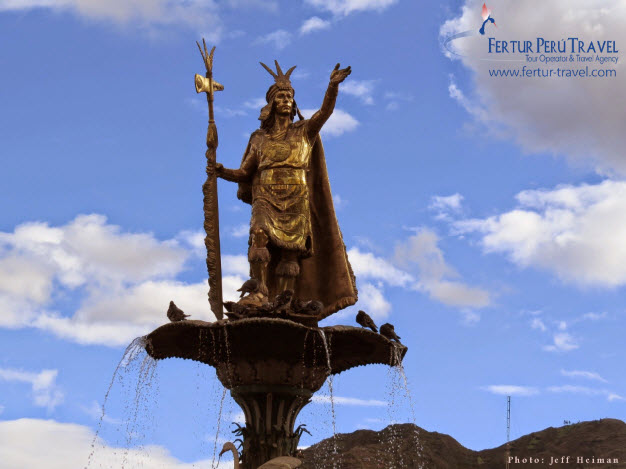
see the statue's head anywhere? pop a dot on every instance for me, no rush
(279, 96)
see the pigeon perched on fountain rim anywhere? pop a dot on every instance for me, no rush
(387, 330)
(364, 320)
(175, 314)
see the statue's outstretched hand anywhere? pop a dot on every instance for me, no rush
(338, 75)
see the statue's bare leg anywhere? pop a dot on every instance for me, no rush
(287, 270)
(259, 257)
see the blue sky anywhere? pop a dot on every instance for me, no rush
(483, 215)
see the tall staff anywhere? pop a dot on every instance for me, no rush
(207, 85)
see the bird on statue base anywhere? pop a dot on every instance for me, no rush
(232, 307)
(283, 298)
(363, 319)
(388, 331)
(175, 314)
(249, 286)
(282, 462)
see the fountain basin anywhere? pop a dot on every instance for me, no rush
(272, 351)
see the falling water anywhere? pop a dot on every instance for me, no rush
(404, 383)
(134, 349)
(214, 463)
(392, 439)
(303, 364)
(398, 393)
(332, 398)
(229, 365)
(140, 405)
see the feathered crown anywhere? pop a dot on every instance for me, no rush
(281, 79)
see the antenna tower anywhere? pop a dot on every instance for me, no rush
(508, 429)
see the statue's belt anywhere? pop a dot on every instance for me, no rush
(283, 176)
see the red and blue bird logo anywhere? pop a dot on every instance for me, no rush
(486, 14)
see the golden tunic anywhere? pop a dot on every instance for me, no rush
(280, 195)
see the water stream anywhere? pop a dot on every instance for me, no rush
(327, 348)
(131, 354)
(214, 463)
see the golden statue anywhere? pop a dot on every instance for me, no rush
(295, 242)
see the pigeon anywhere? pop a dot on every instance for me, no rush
(388, 331)
(266, 308)
(175, 314)
(283, 298)
(363, 319)
(311, 308)
(236, 308)
(249, 286)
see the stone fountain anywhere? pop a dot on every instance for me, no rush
(270, 351)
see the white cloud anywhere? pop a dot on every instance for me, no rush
(361, 89)
(470, 317)
(279, 39)
(270, 5)
(64, 445)
(422, 250)
(229, 112)
(610, 396)
(349, 401)
(563, 342)
(256, 103)
(575, 232)
(442, 203)
(445, 206)
(240, 231)
(583, 374)
(537, 323)
(339, 202)
(511, 390)
(236, 265)
(45, 391)
(199, 15)
(124, 280)
(594, 316)
(339, 122)
(367, 266)
(345, 7)
(394, 98)
(546, 114)
(86, 250)
(472, 108)
(96, 412)
(371, 299)
(315, 23)
(237, 417)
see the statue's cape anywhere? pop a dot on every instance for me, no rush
(327, 275)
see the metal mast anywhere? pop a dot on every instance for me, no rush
(508, 429)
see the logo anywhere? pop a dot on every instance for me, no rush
(486, 14)
(487, 18)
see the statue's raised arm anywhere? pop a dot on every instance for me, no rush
(317, 121)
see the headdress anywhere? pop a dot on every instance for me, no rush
(282, 83)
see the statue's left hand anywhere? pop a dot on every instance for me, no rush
(338, 75)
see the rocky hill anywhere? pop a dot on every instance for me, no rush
(600, 443)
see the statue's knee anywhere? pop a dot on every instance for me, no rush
(288, 268)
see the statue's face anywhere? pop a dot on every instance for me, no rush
(283, 102)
